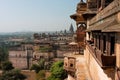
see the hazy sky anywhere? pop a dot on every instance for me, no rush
(36, 15)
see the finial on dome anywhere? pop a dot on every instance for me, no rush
(81, 1)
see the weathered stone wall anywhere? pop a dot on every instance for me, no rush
(18, 59)
(96, 72)
(117, 50)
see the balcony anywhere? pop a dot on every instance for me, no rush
(117, 74)
(69, 64)
(111, 9)
(103, 60)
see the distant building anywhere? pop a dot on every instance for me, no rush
(21, 56)
(42, 55)
(71, 29)
(78, 46)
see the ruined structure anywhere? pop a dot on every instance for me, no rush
(21, 56)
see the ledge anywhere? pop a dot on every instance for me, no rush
(111, 9)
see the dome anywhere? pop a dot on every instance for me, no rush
(81, 2)
(81, 5)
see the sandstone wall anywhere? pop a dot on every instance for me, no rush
(96, 72)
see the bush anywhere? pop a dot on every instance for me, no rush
(9, 73)
(57, 71)
(6, 66)
(35, 67)
(39, 66)
(41, 75)
(13, 75)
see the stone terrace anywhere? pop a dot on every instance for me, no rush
(82, 73)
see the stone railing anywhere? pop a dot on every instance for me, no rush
(69, 64)
(111, 9)
(102, 59)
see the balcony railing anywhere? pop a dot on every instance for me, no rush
(69, 65)
(111, 9)
(102, 59)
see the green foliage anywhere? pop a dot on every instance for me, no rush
(45, 49)
(35, 67)
(55, 47)
(57, 71)
(12, 75)
(41, 75)
(39, 66)
(53, 78)
(41, 63)
(7, 66)
(44, 35)
(3, 53)
(9, 73)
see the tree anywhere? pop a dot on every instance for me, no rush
(44, 35)
(7, 66)
(57, 71)
(45, 49)
(13, 75)
(36, 36)
(3, 53)
(41, 63)
(35, 67)
(9, 73)
(53, 78)
(39, 66)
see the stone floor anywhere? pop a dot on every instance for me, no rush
(82, 72)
